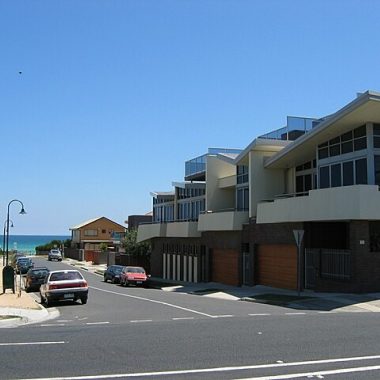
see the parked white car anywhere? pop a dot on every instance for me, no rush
(55, 254)
(62, 285)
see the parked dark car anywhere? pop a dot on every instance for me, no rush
(61, 285)
(34, 278)
(133, 276)
(15, 257)
(112, 273)
(23, 264)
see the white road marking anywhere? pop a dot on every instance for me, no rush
(240, 368)
(31, 343)
(97, 323)
(258, 314)
(178, 319)
(154, 301)
(223, 316)
(318, 374)
(52, 324)
(295, 313)
(141, 320)
(327, 312)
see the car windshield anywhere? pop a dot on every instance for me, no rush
(39, 272)
(118, 269)
(24, 261)
(135, 270)
(63, 276)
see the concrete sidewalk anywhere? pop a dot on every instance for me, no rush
(20, 307)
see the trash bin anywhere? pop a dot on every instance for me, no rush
(8, 278)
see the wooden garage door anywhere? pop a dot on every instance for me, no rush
(276, 265)
(224, 266)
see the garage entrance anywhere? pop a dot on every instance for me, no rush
(225, 266)
(276, 265)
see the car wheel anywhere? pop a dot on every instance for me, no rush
(42, 299)
(47, 302)
(113, 280)
(84, 300)
(27, 290)
(105, 279)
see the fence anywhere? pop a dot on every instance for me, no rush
(336, 264)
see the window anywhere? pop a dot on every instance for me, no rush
(324, 177)
(348, 173)
(354, 140)
(303, 183)
(361, 171)
(90, 232)
(242, 174)
(347, 147)
(377, 170)
(242, 199)
(336, 177)
(360, 144)
(376, 135)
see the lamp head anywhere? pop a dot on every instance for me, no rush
(22, 212)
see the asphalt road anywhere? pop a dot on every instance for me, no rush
(147, 333)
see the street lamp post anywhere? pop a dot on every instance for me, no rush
(7, 223)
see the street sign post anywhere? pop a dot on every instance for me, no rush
(298, 236)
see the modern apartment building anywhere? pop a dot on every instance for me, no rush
(320, 176)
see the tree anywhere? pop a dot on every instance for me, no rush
(103, 247)
(132, 247)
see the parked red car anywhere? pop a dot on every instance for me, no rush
(133, 275)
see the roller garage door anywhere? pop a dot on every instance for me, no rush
(224, 266)
(276, 265)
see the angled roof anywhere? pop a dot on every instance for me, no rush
(261, 144)
(365, 108)
(227, 157)
(156, 193)
(78, 226)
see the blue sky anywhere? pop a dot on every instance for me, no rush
(115, 96)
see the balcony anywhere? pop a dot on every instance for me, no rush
(227, 182)
(359, 202)
(150, 231)
(183, 229)
(223, 220)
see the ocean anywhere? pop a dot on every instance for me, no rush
(28, 243)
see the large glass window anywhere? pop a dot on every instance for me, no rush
(376, 135)
(324, 177)
(303, 183)
(348, 173)
(377, 170)
(242, 199)
(361, 171)
(242, 174)
(336, 176)
(348, 142)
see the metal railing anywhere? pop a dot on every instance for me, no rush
(335, 264)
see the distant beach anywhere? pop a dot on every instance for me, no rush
(28, 243)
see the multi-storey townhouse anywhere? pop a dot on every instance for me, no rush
(319, 176)
(178, 249)
(330, 190)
